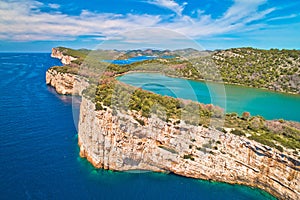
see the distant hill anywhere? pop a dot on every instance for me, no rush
(277, 70)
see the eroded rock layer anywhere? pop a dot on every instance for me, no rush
(66, 83)
(65, 59)
(120, 142)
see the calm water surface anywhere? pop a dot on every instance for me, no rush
(131, 60)
(233, 98)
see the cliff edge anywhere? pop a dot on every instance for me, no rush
(65, 59)
(119, 142)
(124, 141)
(66, 83)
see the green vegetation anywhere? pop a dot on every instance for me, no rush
(141, 122)
(66, 69)
(115, 94)
(188, 156)
(79, 54)
(271, 133)
(119, 96)
(273, 69)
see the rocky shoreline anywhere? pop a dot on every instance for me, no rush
(65, 59)
(66, 83)
(120, 142)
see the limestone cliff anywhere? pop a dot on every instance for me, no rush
(66, 83)
(65, 59)
(119, 142)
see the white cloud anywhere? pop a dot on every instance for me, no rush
(53, 6)
(283, 17)
(236, 19)
(169, 4)
(24, 21)
(242, 8)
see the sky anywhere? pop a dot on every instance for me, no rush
(37, 26)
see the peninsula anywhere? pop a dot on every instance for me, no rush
(165, 134)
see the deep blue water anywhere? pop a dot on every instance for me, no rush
(130, 60)
(39, 153)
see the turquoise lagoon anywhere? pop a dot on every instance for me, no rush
(232, 98)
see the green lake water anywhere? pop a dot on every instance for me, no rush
(232, 98)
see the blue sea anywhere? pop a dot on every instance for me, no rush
(130, 60)
(39, 152)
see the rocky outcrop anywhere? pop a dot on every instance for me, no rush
(119, 141)
(65, 59)
(66, 83)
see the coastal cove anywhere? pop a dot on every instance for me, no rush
(38, 129)
(269, 104)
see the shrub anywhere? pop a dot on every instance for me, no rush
(189, 156)
(279, 148)
(141, 122)
(237, 132)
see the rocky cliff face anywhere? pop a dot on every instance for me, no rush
(66, 83)
(65, 59)
(120, 142)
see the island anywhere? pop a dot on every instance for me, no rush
(164, 134)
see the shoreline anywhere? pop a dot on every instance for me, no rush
(229, 87)
(110, 156)
(108, 164)
(209, 81)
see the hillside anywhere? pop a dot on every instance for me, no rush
(273, 69)
(277, 70)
